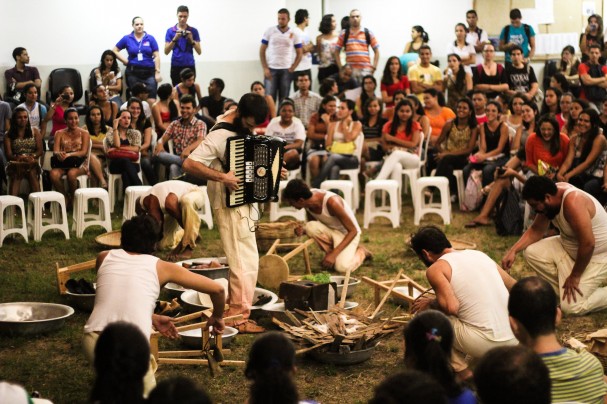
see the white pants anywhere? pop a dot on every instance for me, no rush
(550, 261)
(173, 234)
(406, 160)
(349, 259)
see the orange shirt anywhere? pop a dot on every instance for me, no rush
(438, 121)
(535, 150)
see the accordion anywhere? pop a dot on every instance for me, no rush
(256, 161)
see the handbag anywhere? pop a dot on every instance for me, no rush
(342, 147)
(123, 154)
(67, 163)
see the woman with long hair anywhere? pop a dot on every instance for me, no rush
(419, 37)
(23, 148)
(577, 106)
(437, 112)
(565, 107)
(456, 142)
(257, 87)
(341, 141)
(368, 91)
(514, 120)
(392, 80)
(56, 113)
(460, 47)
(489, 76)
(372, 125)
(568, 64)
(318, 128)
(70, 152)
(143, 125)
(457, 81)
(188, 85)
(401, 139)
(124, 137)
(552, 101)
(586, 156)
(109, 109)
(97, 129)
(35, 109)
(325, 47)
(592, 35)
(419, 114)
(109, 75)
(165, 110)
(429, 339)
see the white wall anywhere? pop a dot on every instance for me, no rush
(74, 33)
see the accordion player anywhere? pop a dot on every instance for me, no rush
(256, 160)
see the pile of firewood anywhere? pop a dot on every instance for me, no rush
(337, 328)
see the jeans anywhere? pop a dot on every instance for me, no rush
(278, 87)
(127, 169)
(172, 161)
(146, 76)
(147, 166)
(445, 168)
(331, 168)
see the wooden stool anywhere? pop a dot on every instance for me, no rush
(389, 285)
(273, 269)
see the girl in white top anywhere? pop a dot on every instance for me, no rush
(462, 48)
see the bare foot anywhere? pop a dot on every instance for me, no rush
(180, 253)
(368, 254)
(483, 221)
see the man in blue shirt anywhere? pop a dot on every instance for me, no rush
(517, 34)
(182, 40)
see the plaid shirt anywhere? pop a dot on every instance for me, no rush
(306, 106)
(184, 134)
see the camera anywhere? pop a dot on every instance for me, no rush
(183, 33)
(65, 96)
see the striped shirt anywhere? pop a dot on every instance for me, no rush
(357, 49)
(575, 376)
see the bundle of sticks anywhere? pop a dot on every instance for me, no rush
(337, 328)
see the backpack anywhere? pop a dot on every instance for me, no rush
(526, 27)
(509, 217)
(473, 193)
(595, 93)
(367, 36)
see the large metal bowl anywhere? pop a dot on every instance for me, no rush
(342, 358)
(277, 311)
(84, 302)
(191, 301)
(339, 279)
(174, 290)
(212, 273)
(193, 338)
(28, 318)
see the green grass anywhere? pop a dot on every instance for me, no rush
(54, 365)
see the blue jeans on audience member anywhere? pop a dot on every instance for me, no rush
(331, 168)
(172, 161)
(127, 169)
(149, 170)
(278, 87)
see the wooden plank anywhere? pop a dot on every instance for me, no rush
(63, 274)
(183, 361)
(378, 308)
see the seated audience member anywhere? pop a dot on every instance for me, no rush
(559, 81)
(334, 227)
(35, 110)
(520, 76)
(188, 85)
(108, 74)
(372, 125)
(142, 123)
(409, 386)
(23, 148)
(576, 376)
(552, 102)
(436, 111)
(165, 110)
(123, 138)
(456, 142)
(549, 146)
(270, 367)
(488, 76)
(70, 155)
(461, 47)
(56, 112)
(290, 128)
(258, 88)
(419, 114)
(97, 129)
(341, 143)
(577, 107)
(514, 119)
(593, 77)
(479, 101)
(565, 109)
(494, 150)
(121, 360)
(315, 152)
(399, 95)
(344, 80)
(5, 117)
(425, 76)
(583, 166)
(574, 262)
(128, 284)
(174, 205)
(99, 97)
(140, 91)
(178, 390)
(472, 290)
(212, 105)
(429, 342)
(229, 104)
(401, 138)
(306, 102)
(369, 85)
(513, 374)
(328, 87)
(16, 78)
(186, 133)
(393, 80)
(568, 66)
(457, 81)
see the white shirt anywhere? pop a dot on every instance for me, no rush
(163, 189)
(281, 47)
(473, 39)
(306, 60)
(290, 134)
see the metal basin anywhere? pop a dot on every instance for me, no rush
(84, 302)
(191, 301)
(343, 358)
(339, 279)
(211, 273)
(174, 290)
(277, 311)
(28, 318)
(193, 338)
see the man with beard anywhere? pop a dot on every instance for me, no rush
(472, 290)
(574, 262)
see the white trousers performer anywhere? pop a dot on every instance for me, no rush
(550, 261)
(173, 234)
(350, 257)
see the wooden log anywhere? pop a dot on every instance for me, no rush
(183, 361)
(378, 308)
